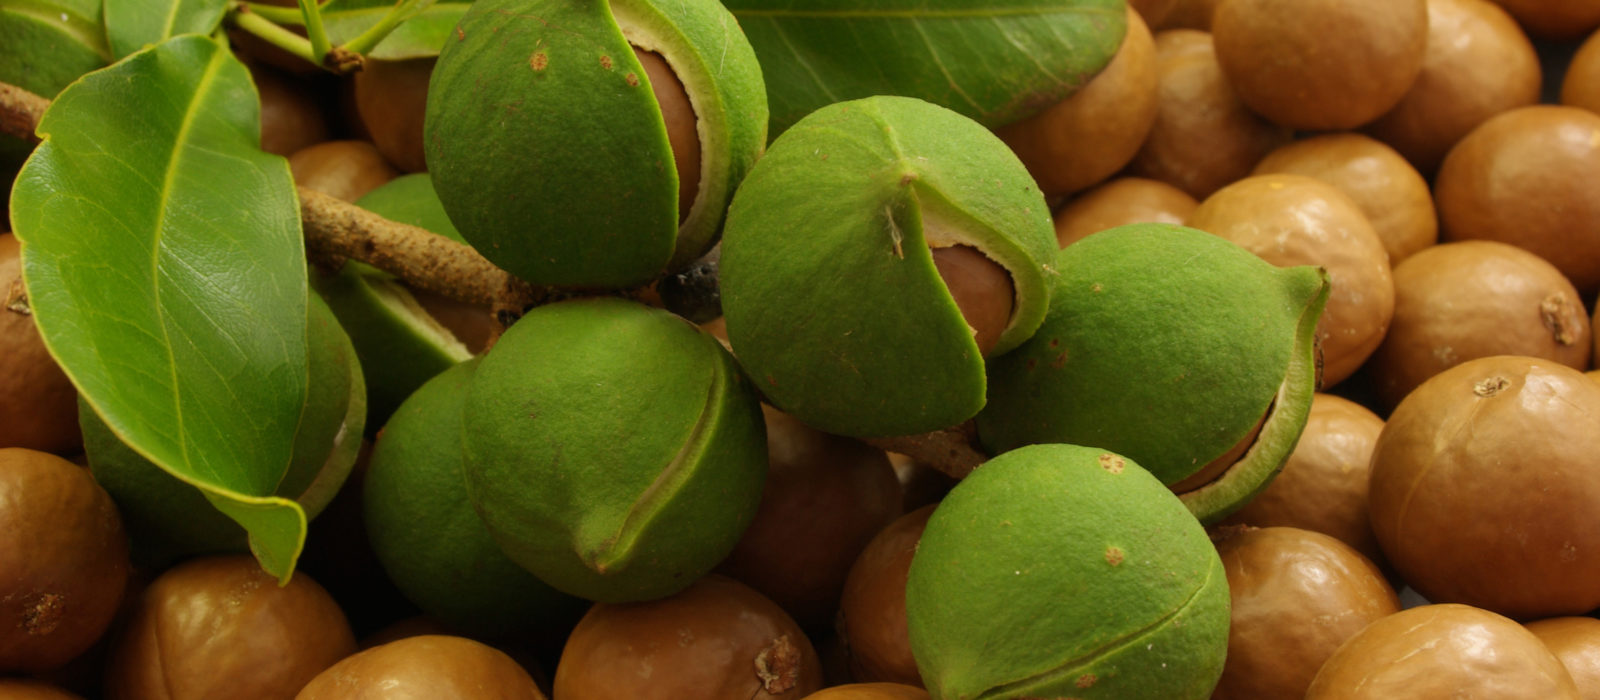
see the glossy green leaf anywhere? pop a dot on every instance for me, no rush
(133, 24)
(420, 36)
(163, 259)
(995, 61)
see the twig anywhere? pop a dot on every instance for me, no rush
(335, 230)
(20, 112)
(952, 450)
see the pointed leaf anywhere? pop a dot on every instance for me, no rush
(995, 61)
(163, 259)
(133, 24)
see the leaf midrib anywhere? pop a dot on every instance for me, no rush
(202, 88)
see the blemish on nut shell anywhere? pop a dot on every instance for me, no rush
(605, 62)
(42, 615)
(632, 79)
(1086, 680)
(778, 665)
(1555, 310)
(460, 35)
(538, 61)
(1113, 557)
(1032, 363)
(1096, 287)
(1491, 386)
(1112, 463)
(1059, 362)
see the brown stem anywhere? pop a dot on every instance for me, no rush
(953, 451)
(336, 230)
(20, 112)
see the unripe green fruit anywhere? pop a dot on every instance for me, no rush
(549, 148)
(426, 534)
(1174, 347)
(1058, 571)
(831, 265)
(613, 449)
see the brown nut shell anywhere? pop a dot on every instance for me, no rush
(1203, 137)
(1321, 64)
(65, 558)
(390, 99)
(1443, 651)
(343, 169)
(220, 627)
(40, 408)
(1391, 193)
(824, 498)
(1555, 19)
(25, 689)
(870, 691)
(1526, 177)
(291, 115)
(1512, 441)
(1581, 86)
(872, 612)
(716, 640)
(1461, 301)
(1323, 484)
(1189, 14)
(1125, 200)
(1296, 596)
(1479, 64)
(982, 290)
(679, 115)
(1291, 220)
(1090, 135)
(427, 667)
(1576, 642)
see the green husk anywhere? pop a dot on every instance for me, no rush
(1066, 571)
(833, 304)
(613, 450)
(425, 532)
(559, 169)
(1168, 345)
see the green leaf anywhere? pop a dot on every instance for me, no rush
(162, 255)
(995, 61)
(133, 24)
(47, 45)
(420, 36)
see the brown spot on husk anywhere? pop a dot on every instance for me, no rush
(1112, 463)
